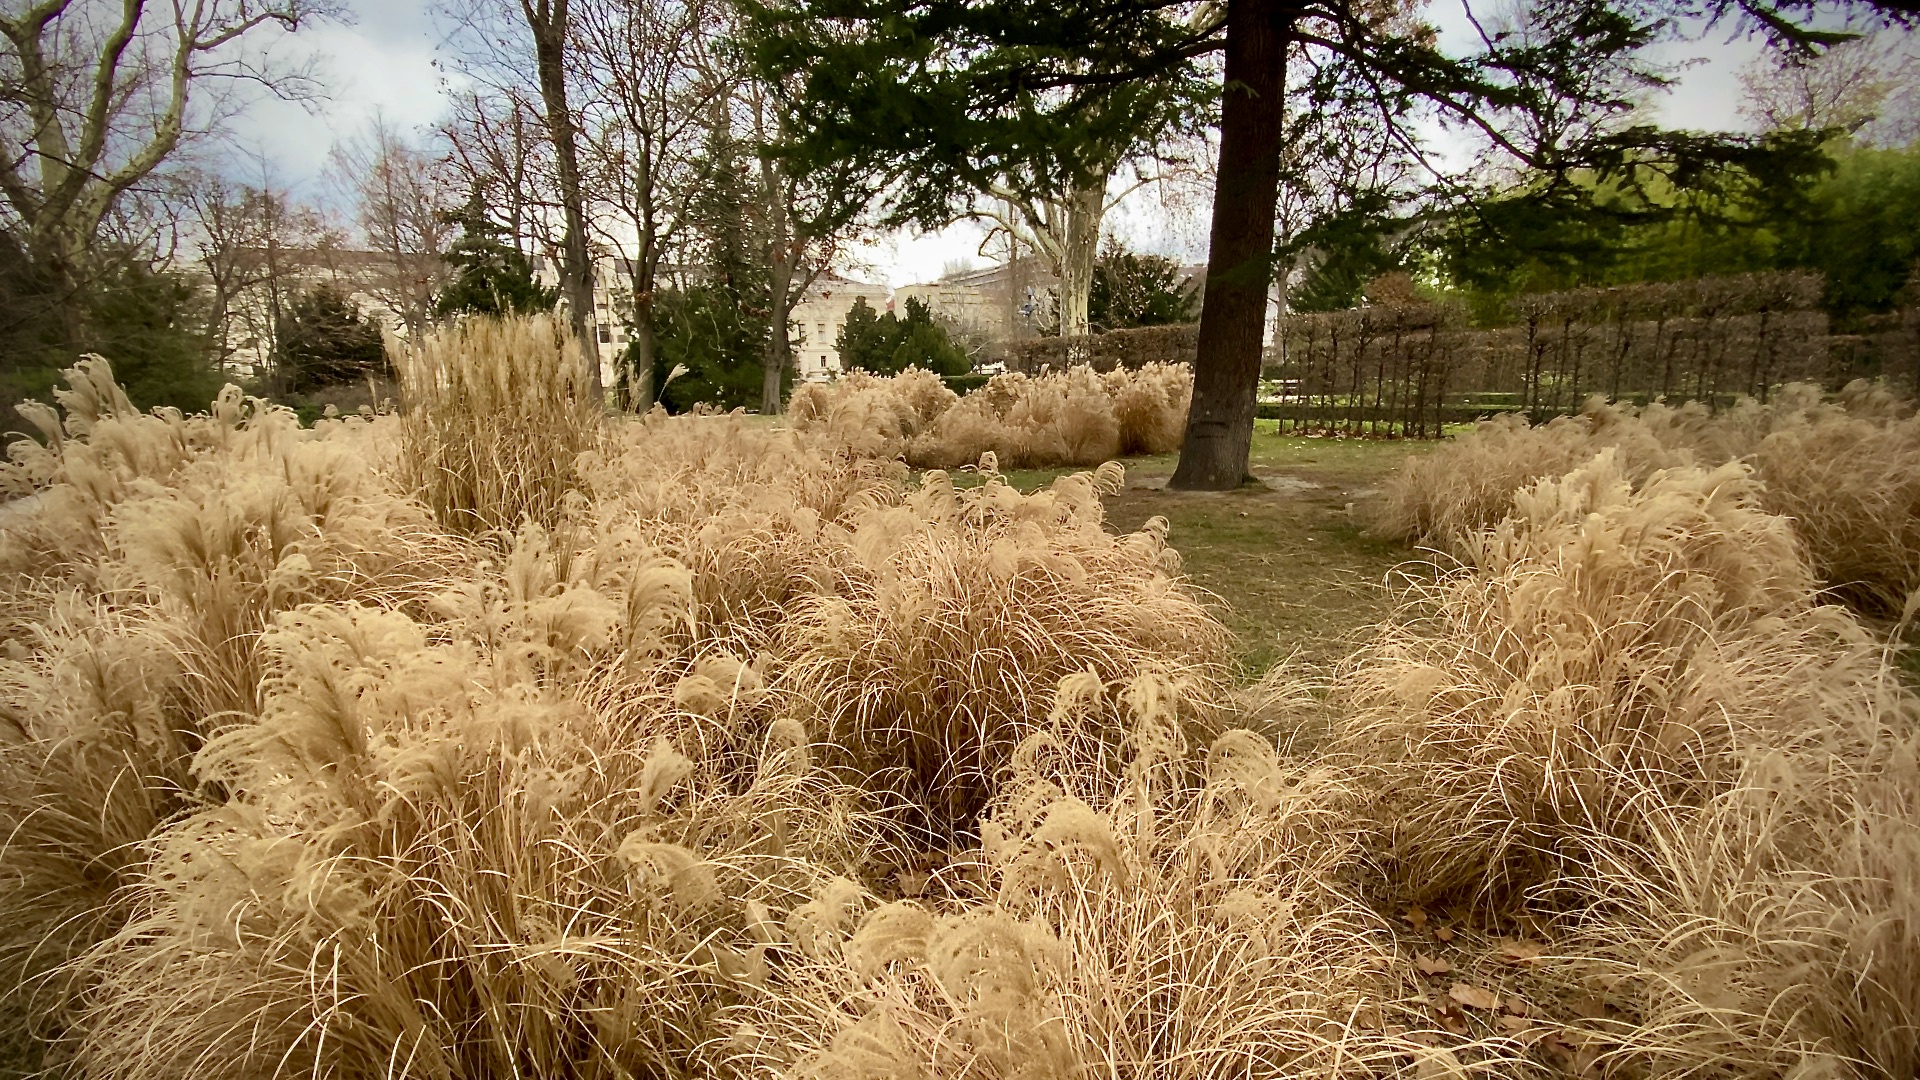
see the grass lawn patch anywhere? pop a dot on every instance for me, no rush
(1293, 574)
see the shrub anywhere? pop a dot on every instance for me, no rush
(324, 340)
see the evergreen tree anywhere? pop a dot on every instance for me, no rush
(1027, 87)
(489, 276)
(1132, 290)
(888, 344)
(862, 343)
(324, 340)
(150, 324)
(717, 325)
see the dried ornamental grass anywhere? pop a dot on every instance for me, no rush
(1445, 497)
(1071, 417)
(872, 416)
(429, 865)
(1843, 471)
(1609, 652)
(1851, 484)
(962, 609)
(1768, 932)
(495, 412)
(1181, 915)
(751, 511)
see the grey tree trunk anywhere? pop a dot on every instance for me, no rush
(1079, 250)
(548, 21)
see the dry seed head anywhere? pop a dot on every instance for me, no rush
(664, 770)
(893, 932)
(688, 877)
(819, 925)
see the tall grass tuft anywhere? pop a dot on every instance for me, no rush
(495, 414)
(433, 861)
(1178, 911)
(755, 513)
(1071, 417)
(1844, 471)
(958, 612)
(1608, 650)
(871, 416)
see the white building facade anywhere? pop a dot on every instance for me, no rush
(820, 316)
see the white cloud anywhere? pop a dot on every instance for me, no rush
(381, 65)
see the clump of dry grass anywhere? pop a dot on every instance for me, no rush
(1851, 484)
(960, 611)
(1445, 497)
(1766, 933)
(1180, 913)
(1843, 471)
(495, 413)
(375, 801)
(178, 539)
(1071, 417)
(1609, 650)
(433, 860)
(94, 748)
(1630, 709)
(754, 512)
(873, 416)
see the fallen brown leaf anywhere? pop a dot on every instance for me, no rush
(1417, 917)
(1515, 1023)
(1521, 953)
(1444, 933)
(1590, 1007)
(1429, 965)
(1473, 997)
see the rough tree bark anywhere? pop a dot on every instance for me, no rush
(547, 20)
(1226, 370)
(1065, 232)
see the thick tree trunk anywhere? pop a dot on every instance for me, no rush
(1080, 249)
(641, 352)
(1226, 371)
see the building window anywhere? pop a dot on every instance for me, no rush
(606, 335)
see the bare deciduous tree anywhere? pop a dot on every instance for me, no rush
(256, 247)
(496, 154)
(92, 102)
(651, 77)
(520, 50)
(1868, 87)
(401, 198)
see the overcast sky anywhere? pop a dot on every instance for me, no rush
(383, 65)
